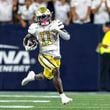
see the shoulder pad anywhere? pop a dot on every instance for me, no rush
(33, 28)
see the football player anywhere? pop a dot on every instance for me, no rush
(46, 33)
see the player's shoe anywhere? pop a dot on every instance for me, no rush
(65, 99)
(28, 78)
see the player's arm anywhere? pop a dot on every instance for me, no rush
(30, 42)
(64, 34)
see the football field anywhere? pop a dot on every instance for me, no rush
(51, 101)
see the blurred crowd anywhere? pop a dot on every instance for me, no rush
(68, 11)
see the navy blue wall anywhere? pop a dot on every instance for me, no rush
(80, 62)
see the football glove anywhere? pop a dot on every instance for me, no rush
(56, 25)
(30, 42)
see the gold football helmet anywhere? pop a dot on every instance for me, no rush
(43, 16)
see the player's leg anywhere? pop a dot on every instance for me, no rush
(51, 72)
(31, 77)
(58, 85)
(28, 78)
(47, 73)
(39, 76)
(57, 80)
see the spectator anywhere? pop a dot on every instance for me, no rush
(50, 6)
(15, 10)
(62, 10)
(101, 9)
(104, 49)
(21, 3)
(6, 11)
(36, 4)
(39, 3)
(81, 10)
(26, 13)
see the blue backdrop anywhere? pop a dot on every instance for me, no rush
(80, 62)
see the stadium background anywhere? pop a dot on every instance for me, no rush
(80, 62)
(80, 69)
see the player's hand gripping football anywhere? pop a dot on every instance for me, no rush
(30, 43)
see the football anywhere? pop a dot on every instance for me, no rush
(30, 43)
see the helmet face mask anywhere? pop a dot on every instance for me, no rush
(44, 20)
(43, 16)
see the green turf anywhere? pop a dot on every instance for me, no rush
(81, 101)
